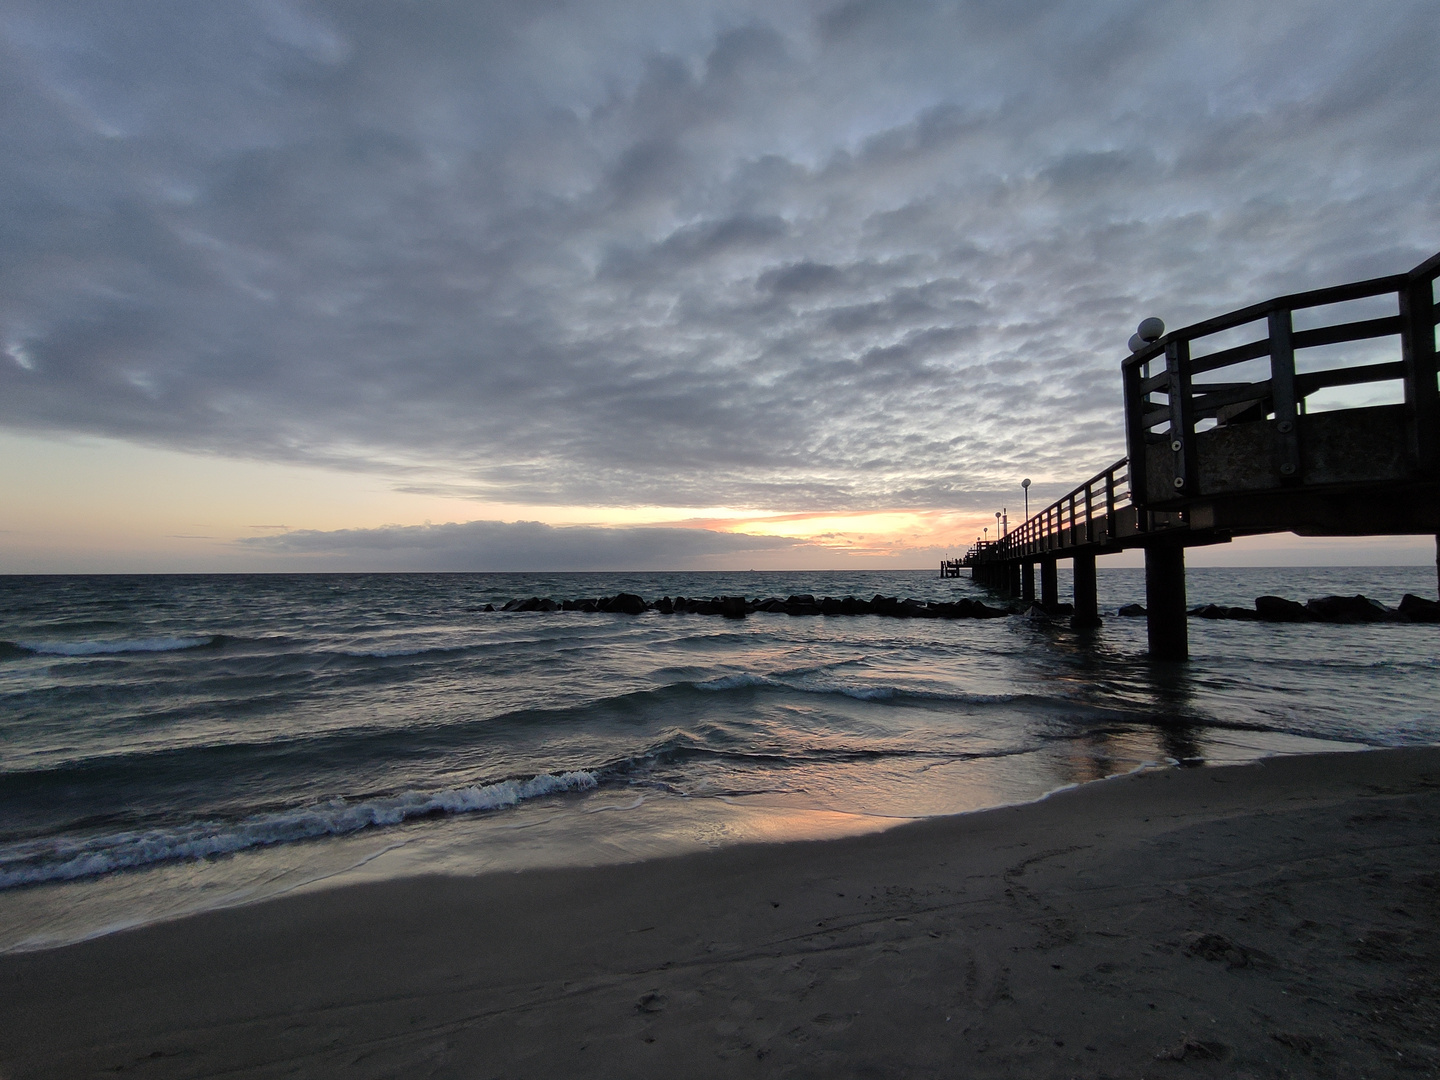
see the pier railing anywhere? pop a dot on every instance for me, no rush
(1085, 516)
(1203, 420)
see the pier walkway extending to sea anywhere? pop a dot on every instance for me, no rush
(1293, 415)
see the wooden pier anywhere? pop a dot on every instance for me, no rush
(1229, 434)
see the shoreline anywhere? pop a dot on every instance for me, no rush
(1279, 915)
(605, 826)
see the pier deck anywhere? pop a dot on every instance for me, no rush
(1251, 422)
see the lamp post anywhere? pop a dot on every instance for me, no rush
(1025, 484)
(997, 525)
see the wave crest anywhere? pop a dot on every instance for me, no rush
(111, 648)
(66, 860)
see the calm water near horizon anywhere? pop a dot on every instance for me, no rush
(177, 743)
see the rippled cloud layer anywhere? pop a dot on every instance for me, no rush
(788, 256)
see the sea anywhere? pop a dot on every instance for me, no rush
(173, 744)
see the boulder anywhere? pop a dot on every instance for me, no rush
(1418, 609)
(1132, 611)
(734, 607)
(1278, 609)
(1349, 609)
(622, 603)
(665, 606)
(1220, 611)
(918, 609)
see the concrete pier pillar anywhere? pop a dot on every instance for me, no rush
(1049, 583)
(1012, 579)
(1165, 602)
(1027, 582)
(1087, 608)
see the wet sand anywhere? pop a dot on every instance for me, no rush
(1276, 919)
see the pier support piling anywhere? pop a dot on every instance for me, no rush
(1012, 580)
(1049, 583)
(1027, 582)
(1087, 608)
(1165, 602)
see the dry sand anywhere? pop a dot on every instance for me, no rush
(1277, 919)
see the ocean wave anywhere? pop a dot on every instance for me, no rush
(877, 692)
(67, 859)
(110, 648)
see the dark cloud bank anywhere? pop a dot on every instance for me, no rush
(511, 546)
(786, 256)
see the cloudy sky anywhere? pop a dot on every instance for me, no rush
(662, 284)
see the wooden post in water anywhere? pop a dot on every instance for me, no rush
(1165, 602)
(1012, 579)
(1050, 584)
(1087, 608)
(1027, 582)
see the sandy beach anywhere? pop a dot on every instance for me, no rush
(1274, 919)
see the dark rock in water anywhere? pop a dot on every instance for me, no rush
(488, 607)
(1418, 609)
(1278, 609)
(1349, 609)
(800, 599)
(665, 606)
(1132, 611)
(622, 603)
(773, 604)
(511, 605)
(918, 609)
(1220, 611)
(831, 606)
(852, 606)
(886, 605)
(734, 607)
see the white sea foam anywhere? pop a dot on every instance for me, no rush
(735, 682)
(106, 648)
(67, 859)
(879, 692)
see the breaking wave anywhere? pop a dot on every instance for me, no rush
(64, 859)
